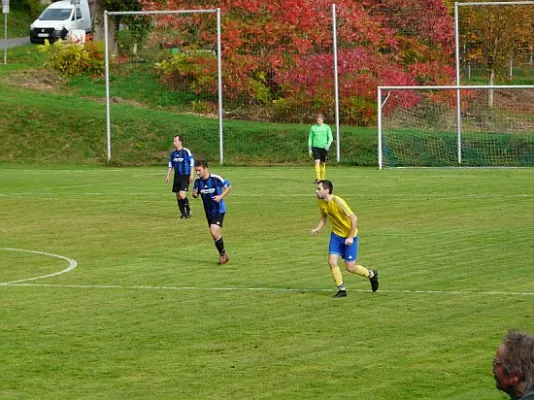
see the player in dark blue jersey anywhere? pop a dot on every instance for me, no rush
(212, 189)
(183, 163)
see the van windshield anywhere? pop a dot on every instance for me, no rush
(56, 14)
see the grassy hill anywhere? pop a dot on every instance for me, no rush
(18, 23)
(48, 119)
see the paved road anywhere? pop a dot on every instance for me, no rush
(14, 42)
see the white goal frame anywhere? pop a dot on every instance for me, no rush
(219, 68)
(381, 104)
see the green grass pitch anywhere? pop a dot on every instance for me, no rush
(147, 313)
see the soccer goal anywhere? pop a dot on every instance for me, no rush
(163, 65)
(419, 126)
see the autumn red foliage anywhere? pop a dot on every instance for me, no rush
(279, 54)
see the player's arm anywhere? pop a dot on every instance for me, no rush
(320, 224)
(195, 189)
(192, 166)
(219, 197)
(330, 138)
(169, 169)
(353, 226)
(310, 141)
(168, 175)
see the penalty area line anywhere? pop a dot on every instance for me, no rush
(266, 289)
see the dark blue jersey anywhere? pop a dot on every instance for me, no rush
(182, 161)
(214, 185)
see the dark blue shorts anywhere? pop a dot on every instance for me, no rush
(338, 246)
(215, 219)
(180, 183)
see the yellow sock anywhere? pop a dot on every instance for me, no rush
(323, 171)
(361, 271)
(336, 274)
(317, 171)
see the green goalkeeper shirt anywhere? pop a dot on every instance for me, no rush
(320, 136)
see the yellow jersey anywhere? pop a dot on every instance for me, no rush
(338, 212)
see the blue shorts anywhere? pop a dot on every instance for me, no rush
(338, 246)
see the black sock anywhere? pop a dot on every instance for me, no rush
(220, 245)
(186, 206)
(181, 206)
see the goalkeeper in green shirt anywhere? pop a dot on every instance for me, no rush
(319, 141)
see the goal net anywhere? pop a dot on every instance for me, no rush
(422, 126)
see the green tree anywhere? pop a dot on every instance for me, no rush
(495, 34)
(138, 25)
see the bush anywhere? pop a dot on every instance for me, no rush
(193, 70)
(71, 59)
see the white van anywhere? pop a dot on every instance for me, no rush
(58, 19)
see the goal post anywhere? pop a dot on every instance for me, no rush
(153, 59)
(418, 126)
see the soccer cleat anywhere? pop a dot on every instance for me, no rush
(340, 293)
(223, 259)
(182, 217)
(374, 280)
(188, 215)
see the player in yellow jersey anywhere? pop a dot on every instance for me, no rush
(343, 238)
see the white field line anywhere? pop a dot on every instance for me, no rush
(137, 199)
(72, 265)
(137, 195)
(266, 289)
(263, 168)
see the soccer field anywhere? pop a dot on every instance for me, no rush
(130, 302)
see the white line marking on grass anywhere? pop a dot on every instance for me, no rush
(266, 289)
(139, 200)
(138, 196)
(72, 265)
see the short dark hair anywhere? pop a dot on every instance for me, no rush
(328, 185)
(201, 163)
(180, 138)
(518, 359)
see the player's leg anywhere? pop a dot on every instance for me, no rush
(184, 188)
(316, 163)
(335, 249)
(180, 205)
(216, 233)
(322, 165)
(185, 204)
(357, 269)
(177, 188)
(350, 255)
